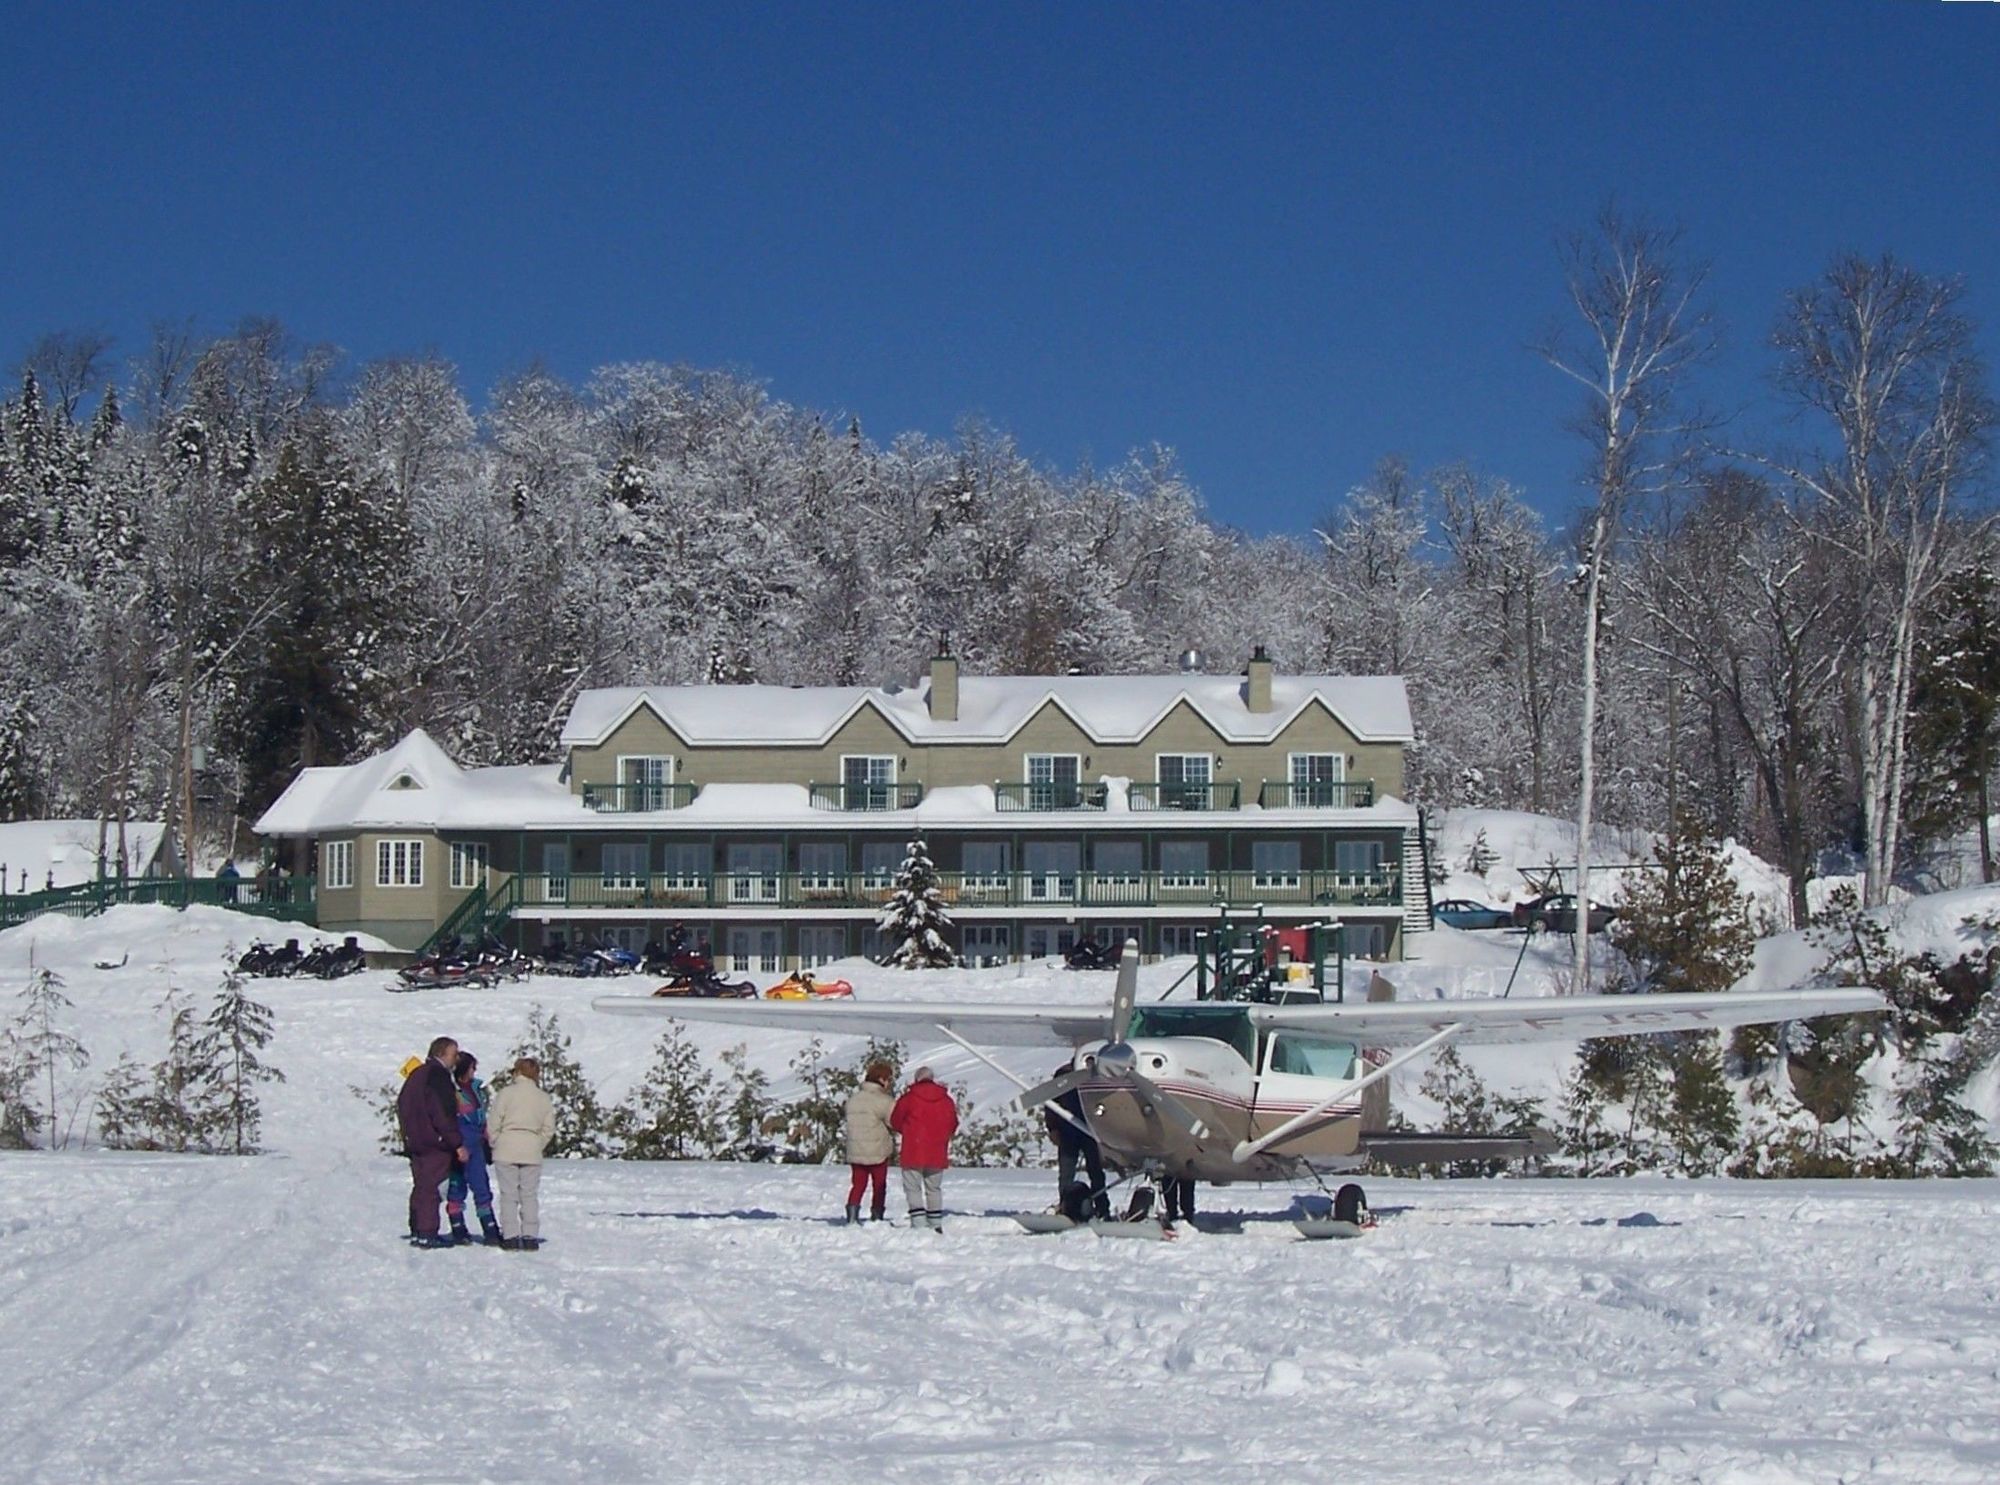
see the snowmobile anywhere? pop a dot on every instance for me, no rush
(1088, 953)
(708, 986)
(801, 985)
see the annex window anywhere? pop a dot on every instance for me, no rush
(1360, 858)
(336, 863)
(1115, 870)
(822, 866)
(868, 780)
(986, 943)
(1184, 780)
(881, 860)
(1316, 779)
(986, 864)
(754, 870)
(468, 863)
(1054, 781)
(622, 865)
(684, 866)
(1177, 938)
(1184, 865)
(645, 783)
(821, 943)
(399, 863)
(1275, 863)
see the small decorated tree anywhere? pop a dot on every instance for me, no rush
(915, 918)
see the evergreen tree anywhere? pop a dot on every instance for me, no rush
(1685, 927)
(19, 795)
(1700, 1120)
(674, 1113)
(1480, 856)
(1467, 1106)
(746, 1108)
(581, 1123)
(42, 1046)
(231, 1043)
(915, 918)
(179, 1112)
(1587, 1141)
(121, 1106)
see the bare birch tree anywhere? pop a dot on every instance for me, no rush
(1884, 354)
(1638, 331)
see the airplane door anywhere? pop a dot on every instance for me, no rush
(1295, 1073)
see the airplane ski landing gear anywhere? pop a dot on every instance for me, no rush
(1348, 1218)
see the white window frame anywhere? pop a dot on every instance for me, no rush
(646, 781)
(1292, 762)
(673, 877)
(399, 862)
(849, 787)
(336, 863)
(974, 883)
(1028, 762)
(1180, 881)
(1286, 879)
(1205, 785)
(821, 943)
(986, 941)
(469, 862)
(820, 878)
(623, 880)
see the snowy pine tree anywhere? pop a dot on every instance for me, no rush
(18, 791)
(41, 1045)
(581, 1123)
(674, 1113)
(915, 919)
(233, 1037)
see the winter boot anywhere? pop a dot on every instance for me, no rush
(458, 1230)
(490, 1228)
(875, 1213)
(853, 1213)
(919, 1219)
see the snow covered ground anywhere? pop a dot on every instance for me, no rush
(203, 1319)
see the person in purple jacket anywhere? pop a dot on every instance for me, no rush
(427, 1109)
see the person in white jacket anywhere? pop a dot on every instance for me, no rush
(869, 1140)
(520, 1123)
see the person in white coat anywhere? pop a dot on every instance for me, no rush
(870, 1142)
(520, 1123)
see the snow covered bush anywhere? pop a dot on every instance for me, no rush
(915, 919)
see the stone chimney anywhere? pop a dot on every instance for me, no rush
(1257, 693)
(944, 683)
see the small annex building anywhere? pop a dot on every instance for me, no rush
(771, 820)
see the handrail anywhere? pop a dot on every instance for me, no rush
(1322, 794)
(865, 796)
(291, 898)
(1007, 797)
(638, 799)
(1210, 796)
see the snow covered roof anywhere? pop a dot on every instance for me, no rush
(415, 783)
(991, 709)
(63, 853)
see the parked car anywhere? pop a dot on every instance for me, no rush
(1463, 912)
(1557, 913)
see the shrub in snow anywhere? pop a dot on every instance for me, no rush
(37, 1046)
(1480, 857)
(1467, 1106)
(915, 918)
(746, 1109)
(813, 1123)
(675, 1111)
(230, 1048)
(581, 1123)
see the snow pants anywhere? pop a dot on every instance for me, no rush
(471, 1174)
(427, 1173)
(520, 1198)
(923, 1188)
(876, 1176)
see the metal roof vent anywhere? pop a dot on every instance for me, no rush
(1190, 662)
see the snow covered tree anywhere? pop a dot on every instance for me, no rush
(1480, 857)
(179, 1112)
(1641, 334)
(1699, 1121)
(42, 1045)
(673, 1113)
(1887, 357)
(19, 793)
(232, 1040)
(915, 918)
(746, 1108)
(581, 1123)
(1955, 721)
(1685, 928)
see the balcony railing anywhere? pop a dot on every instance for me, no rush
(865, 796)
(1184, 796)
(637, 799)
(662, 895)
(1348, 794)
(1008, 797)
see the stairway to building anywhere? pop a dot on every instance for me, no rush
(1417, 878)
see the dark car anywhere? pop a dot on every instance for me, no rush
(1557, 913)
(1462, 912)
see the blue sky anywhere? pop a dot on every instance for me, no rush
(1285, 240)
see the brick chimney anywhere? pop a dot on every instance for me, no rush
(1257, 693)
(944, 683)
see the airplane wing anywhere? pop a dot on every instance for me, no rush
(987, 1025)
(1561, 1018)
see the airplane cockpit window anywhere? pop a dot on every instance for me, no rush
(1229, 1025)
(1311, 1056)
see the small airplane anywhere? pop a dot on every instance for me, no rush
(1228, 1091)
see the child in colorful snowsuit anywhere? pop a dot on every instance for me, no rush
(472, 1101)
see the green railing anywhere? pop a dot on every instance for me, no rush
(1184, 796)
(660, 895)
(637, 799)
(865, 796)
(1349, 794)
(1007, 797)
(288, 898)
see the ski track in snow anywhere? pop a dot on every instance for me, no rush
(169, 1319)
(184, 1319)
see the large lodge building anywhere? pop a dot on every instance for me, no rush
(773, 819)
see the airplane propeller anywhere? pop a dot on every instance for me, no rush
(1116, 1059)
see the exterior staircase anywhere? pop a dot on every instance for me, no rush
(1417, 878)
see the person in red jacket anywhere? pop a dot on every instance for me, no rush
(926, 1118)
